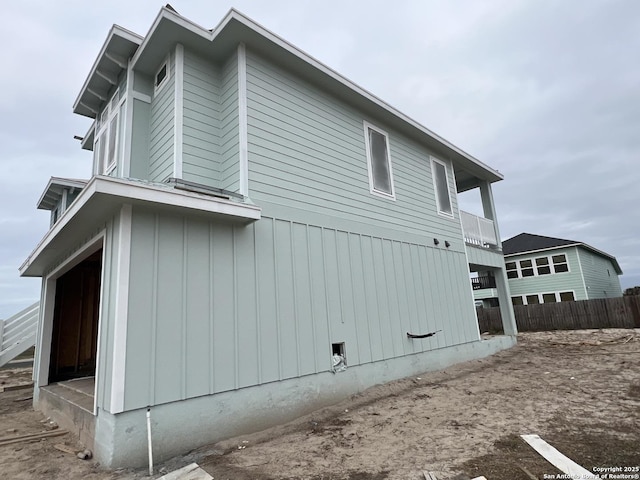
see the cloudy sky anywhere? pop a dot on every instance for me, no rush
(545, 91)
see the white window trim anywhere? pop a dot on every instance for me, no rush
(372, 190)
(105, 126)
(535, 267)
(165, 80)
(435, 186)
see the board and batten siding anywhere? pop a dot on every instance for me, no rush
(161, 131)
(229, 129)
(307, 150)
(600, 276)
(201, 124)
(215, 306)
(556, 282)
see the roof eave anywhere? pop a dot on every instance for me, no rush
(144, 60)
(115, 31)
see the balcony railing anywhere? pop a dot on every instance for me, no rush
(478, 231)
(480, 283)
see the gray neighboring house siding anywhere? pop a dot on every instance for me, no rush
(600, 275)
(221, 312)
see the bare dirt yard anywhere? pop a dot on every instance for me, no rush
(578, 390)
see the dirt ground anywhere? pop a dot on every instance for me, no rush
(578, 390)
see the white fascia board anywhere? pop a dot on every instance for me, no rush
(115, 30)
(133, 192)
(88, 139)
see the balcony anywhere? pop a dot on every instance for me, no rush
(483, 282)
(478, 231)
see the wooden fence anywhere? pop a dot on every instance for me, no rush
(621, 312)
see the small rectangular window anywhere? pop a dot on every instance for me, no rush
(512, 270)
(560, 263)
(549, 298)
(542, 265)
(379, 161)
(161, 75)
(567, 297)
(532, 299)
(441, 183)
(526, 268)
(517, 300)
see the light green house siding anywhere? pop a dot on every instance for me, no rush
(161, 131)
(216, 306)
(307, 150)
(201, 124)
(600, 276)
(229, 126)
(556, 282)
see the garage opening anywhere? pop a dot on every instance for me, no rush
(75, 321)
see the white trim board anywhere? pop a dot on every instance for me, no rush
(243, 137)
(179, 111)
(557, 459)
(121, 310)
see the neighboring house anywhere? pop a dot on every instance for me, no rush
(546, 270)
(251, 216)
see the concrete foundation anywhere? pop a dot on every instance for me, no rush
(121, 440)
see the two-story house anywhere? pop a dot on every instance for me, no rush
(251, 216)
(544, 269)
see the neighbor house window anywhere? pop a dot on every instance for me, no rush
(512, 270)
(106, 146)
(378, 161)
(542, 264)
(560, 263)
(441, 183)
(526, 268)
(532, 299)
(549, 298)
(517, 300)
(567, 297)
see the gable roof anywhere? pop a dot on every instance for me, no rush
(146, 53)
(529, 242)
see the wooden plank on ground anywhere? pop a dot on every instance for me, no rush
(32, 437)
(429, 475)
(557, 459)
(190, 472)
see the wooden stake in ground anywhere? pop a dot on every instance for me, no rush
(35, 436)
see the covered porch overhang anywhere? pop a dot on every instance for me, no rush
(103, 196)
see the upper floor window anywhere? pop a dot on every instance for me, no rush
(441, 184)
(162, 76)
(538, 266)
(106, 146)
(379, 161)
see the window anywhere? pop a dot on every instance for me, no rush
(161, 76)
(526, 268)
(517, 300)
(567, 297)
(378, 161)
(106, 145)
(560, 263)
(512, 270)
(549, 298)
(542, 265)
(441, 183)
(532, 299)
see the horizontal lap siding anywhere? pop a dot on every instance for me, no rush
(216, 307)
(201, 125)
(229, 126)
(600, 275)
(161, 132)
(556, 282)
(307, 150)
